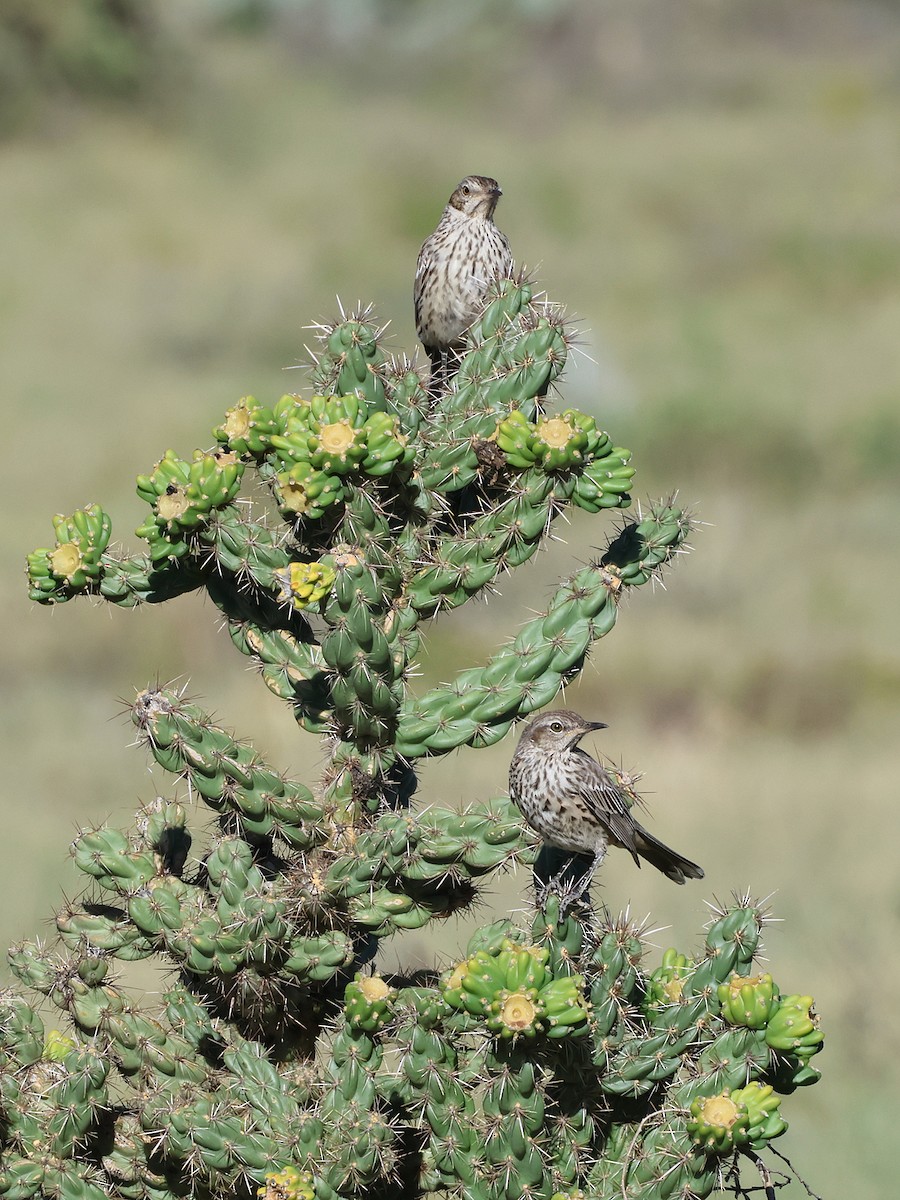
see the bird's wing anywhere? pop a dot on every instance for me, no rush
(424, 269)
(425, 261)
(604, 799)
(421, 264)
(508, 266)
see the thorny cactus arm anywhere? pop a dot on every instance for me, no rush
(549, 1061)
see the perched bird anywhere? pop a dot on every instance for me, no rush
(456, 266)
(574, 804)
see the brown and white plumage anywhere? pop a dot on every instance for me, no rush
(568, 798)
(456, 266)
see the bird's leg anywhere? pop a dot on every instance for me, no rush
(444, 365)
(584, 883)
(561, 872)
(581, 887)
(440, 373)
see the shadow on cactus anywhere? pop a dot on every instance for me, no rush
(549, 1061)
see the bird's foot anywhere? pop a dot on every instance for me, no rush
(564, 875)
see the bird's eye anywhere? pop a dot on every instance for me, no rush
(466, 189)
(557, 726)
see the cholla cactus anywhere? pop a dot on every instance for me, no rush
(548, 1061)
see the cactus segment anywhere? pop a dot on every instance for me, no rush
(351, 360)
(229, 776)
(547, 650)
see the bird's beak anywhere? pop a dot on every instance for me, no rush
(497, 191)
(589, 727)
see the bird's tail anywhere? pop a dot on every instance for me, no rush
(674, 866)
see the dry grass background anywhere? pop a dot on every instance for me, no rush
(714, 192)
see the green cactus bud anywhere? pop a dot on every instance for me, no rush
(748, 1000)
(366, 1002)
(565, 1008)
(555, 443)
(304, 584)
(747, 1116)
(666, 983)
(387, 449)
(515, 1014)
(563, 441)
(717, 1123)
(290, 1183)
(326, 432)
(305, 492)
(790, 1071)
(604, 483)
(336, 447)
(794, 1027)
(247, 427)
(58, 1046)
(183, 494)
(77, 560)
(514, 436)
(512, 991)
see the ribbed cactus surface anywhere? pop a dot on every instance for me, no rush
(550, 1060)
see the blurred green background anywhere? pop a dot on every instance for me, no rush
(713, 189)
